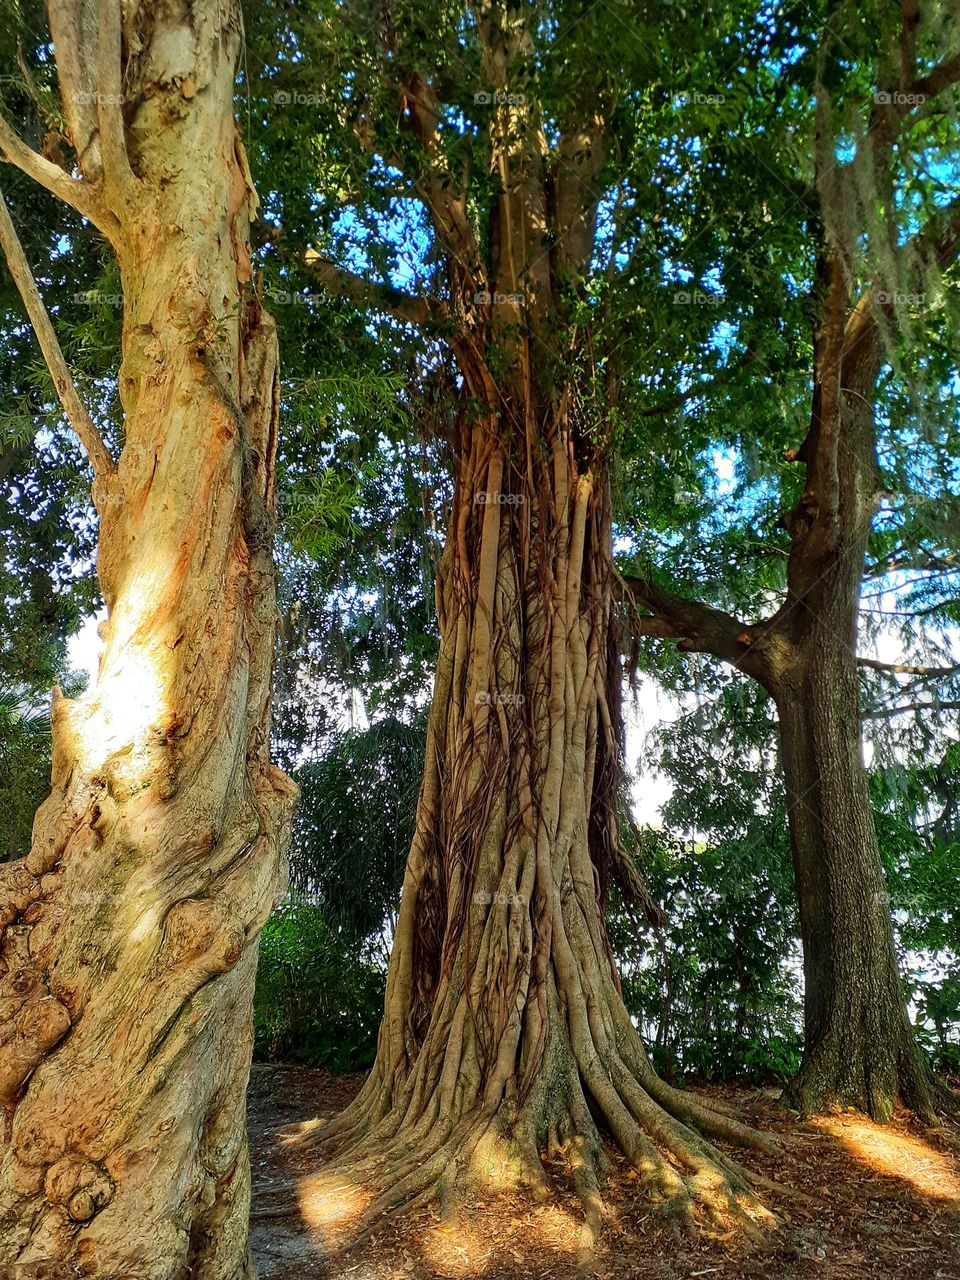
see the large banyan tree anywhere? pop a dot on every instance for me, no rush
(495, 138)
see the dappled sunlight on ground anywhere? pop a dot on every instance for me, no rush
(874, 1203)
(492, 1236)
(557, 1228)
(457, 1249)
(896, 1153)
(329, 1206)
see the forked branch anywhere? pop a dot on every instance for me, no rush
(76, 192)
(698, 627)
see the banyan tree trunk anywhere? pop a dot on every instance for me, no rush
(504, 1033)
(129, 932)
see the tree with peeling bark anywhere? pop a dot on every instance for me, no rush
(129, 932)
(494, 137)
(883, 233)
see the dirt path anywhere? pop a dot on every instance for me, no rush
(887, 1207)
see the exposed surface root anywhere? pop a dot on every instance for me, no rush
(679, 1169)
(882, 1202)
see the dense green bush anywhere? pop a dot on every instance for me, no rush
(323, 955)
(716, 991)
(24, 768)
(318, 998)
(353, 827)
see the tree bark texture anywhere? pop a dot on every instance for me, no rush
(129, 942)
(505, 1036)
(859, 1045)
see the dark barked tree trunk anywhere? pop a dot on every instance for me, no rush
(859, 1045)
(505, 1035)
(129, 942)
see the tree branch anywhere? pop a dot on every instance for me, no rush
(698, 627)
(943, 75)
(579, 159)
(883, 713)
(73, 28)
(895, 668)
(653, 627)
(118, 177)
(77, 193)
(80, 421)
(939, 241)
(372, 295)
(938, 244)
(446, 204)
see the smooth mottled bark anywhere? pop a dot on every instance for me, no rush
(129, 941)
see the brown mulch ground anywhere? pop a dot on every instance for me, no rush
(886, 1205)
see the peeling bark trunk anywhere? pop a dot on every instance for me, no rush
(130, 931)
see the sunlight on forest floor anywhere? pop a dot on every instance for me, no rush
(883, 1203)
(329, 1206)
(896, 1154)
(470, 1246)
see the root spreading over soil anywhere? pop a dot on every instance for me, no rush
(878, 1202)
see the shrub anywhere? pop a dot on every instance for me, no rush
(319, 998)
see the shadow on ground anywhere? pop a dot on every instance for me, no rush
(886, 1205)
